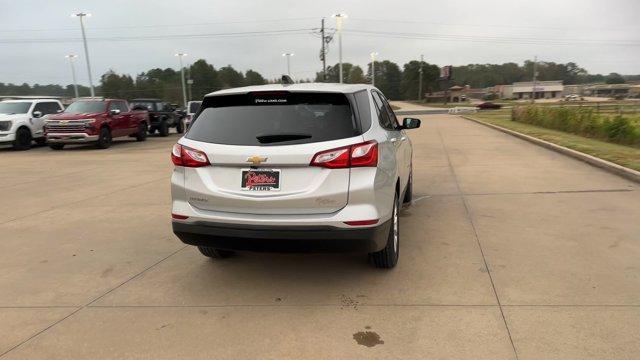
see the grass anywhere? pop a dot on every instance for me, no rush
(626, 156)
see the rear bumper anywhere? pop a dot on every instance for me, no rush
(283, 238)
(70, 138)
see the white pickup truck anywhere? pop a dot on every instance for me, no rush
(21, 121)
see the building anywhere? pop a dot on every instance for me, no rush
(552, 89)
(608, 90)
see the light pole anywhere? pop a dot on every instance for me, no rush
(73, 73)
(81, 16)
(184, 89)
(373, 68)
(339, 18)
(288, 56)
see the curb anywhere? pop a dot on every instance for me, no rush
(616, 169)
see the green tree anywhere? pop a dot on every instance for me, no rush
(253, 78)
(388, 78)
(614, 78)
(356, 75)
(205, 79)
(411, 79)
(230, 78)
(117, 86)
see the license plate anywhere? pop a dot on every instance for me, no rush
(260, 180)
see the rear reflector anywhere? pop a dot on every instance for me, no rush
(185, 156)
(178, 217)
(361, 222)
(357, 155)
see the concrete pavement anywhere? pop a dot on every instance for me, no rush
(510, 251)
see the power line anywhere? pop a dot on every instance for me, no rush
(163, 37)
(165, 25)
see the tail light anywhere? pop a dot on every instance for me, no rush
(188, 157)
(358, 155)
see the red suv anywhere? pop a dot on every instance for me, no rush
(95, 121)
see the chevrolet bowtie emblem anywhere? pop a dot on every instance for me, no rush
(256, 160)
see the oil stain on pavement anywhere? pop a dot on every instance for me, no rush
(368, 338)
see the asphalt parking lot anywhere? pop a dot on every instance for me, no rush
(509, 251)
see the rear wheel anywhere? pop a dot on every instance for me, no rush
(387, 258)
(141, 135)
(180, 126)
(104, 139)
(163, 129)
(56, 146)
(23, 139)
(215, 253)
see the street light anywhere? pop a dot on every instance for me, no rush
(73, 73)
(184, 90)
(81, 16)
(339, 18)
(288, 56)
(373, 68)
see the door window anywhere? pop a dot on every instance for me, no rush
(383, 114)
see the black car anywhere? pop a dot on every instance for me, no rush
(162, 115)
(488, 105)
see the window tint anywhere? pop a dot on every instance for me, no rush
(383, 115)
(392, 115)
(274, 118)
(14, 107)
(364, 110)
(145, 104)
(86, 107)
(47, 108)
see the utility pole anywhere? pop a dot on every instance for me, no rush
(373, 68)
(81, 16)
(323, 55)
(73, 73)
(184, 88)
(535, 78)
(420, 82)
(339, 18)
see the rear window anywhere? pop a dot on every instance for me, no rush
(274, 118)
(86, 107)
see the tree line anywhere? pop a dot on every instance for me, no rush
(395, 82)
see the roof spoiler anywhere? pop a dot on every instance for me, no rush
(287, 80)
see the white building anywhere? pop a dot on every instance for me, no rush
(540, 90)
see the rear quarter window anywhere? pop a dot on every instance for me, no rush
(274, 118)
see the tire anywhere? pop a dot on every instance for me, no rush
(180, 126)
(387, 258)
(163, 129)
(23, 139)
(104, 139)
(408, 194)
(41, 141)
(56, 146)
(215, 253)
(141, 135)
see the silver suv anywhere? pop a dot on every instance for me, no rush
(302, 167)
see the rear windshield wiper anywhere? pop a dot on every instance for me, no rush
(271, 138)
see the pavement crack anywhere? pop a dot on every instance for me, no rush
(475, 234)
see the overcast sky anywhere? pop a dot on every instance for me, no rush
(134, 36)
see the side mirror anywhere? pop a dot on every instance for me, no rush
(410, 123)
(37, 114)
(114, 112)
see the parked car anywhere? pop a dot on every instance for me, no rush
(303, 167)
(192, 110)
(488, 106)
(21, 121)
(162, 115)
(95, 121)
